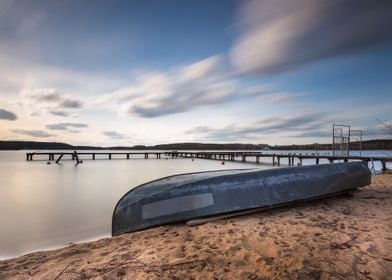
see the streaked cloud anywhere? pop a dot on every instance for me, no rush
(48, 100)
(68, 126)
(7, 115)
(70, 104)
(282, 125)
(59, 113)
(278, 35)
(204, 83)
(114, 135)
(33, 133)
(314, 133)
(385, 126)
(44, 94)
(18, 72)
(280, 97)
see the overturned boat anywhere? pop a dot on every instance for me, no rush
(195, 195)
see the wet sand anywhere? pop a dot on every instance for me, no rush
(339, 238)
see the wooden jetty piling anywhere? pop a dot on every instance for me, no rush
(60, 157)
(76, 157)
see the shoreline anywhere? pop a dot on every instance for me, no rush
(344, 237)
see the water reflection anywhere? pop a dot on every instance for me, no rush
(45, 206)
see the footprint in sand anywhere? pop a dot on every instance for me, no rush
(213, 246)
(180, 253)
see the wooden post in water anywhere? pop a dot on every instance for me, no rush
(58, 160)
(93, 156)
(75, 157)
(384, 166)
(110, 156)
(317, 160)
(278, 160)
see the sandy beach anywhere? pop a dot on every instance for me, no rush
(339, 238)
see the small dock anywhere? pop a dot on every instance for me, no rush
(276, 159)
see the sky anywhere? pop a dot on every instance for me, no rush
(111, 73)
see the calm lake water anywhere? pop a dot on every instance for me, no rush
(49, 206)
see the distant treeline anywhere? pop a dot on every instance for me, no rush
(32, 145)
(379, 144)
(204, 146)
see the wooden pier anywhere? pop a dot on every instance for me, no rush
(276, 158)
(57, 156)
